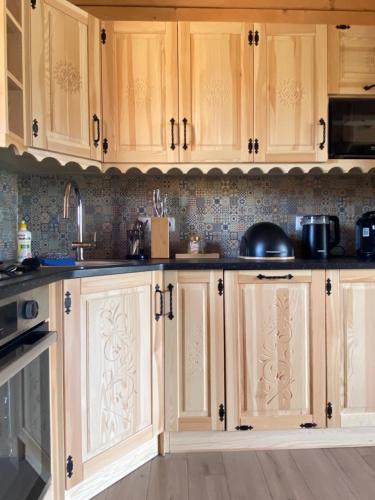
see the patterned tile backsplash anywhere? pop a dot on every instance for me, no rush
(219, 208)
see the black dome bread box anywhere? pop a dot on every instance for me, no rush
(266, 240)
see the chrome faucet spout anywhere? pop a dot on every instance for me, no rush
(72, 185)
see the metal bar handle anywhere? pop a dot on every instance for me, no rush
(185, 146)
(284, 277)
(250, 146)
(322, 122)
(369, 87)
(256, 146)
(159, 314)
(173, 145)
(170, 290)
(96, 121)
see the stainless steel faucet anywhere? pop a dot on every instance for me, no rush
(78, 245)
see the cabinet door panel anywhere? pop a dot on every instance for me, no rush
(140, 91)
(216, 87)
(60, 86)
(290, 92)
(273, 341)
(195, 353)
(351, 348)
(352, 60)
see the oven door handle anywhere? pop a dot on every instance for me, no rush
(14, 366)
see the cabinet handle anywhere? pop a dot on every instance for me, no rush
(173, 145)
(369, 87)
(170, 290)
(96, 121)
(250, 146)
(159, 314)
(185, 146)
(323, 124)
(35, 128)
(256, 146)
(285, 277)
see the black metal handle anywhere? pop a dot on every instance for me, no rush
(173, 145)
(369, 87)
(170, 290)
(250, 38)
(159, 314)
(250, 146)
(285, 277)
(324, 125)
(342, 27)
(256, 38)
(185, 146)
(96, 121)
(33, 4)
(35, 127)
(256, 146)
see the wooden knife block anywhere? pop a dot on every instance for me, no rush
(159, 238)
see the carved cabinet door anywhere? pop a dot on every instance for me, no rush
(215, 92)
(290, 97)
(351, 53)
(113, 370)
(275, 349)
(140, 91)
(194, 352)
(351, 348)
(61, 72)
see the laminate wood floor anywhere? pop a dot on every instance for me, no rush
(329, 474)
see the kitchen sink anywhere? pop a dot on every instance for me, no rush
(100, 263)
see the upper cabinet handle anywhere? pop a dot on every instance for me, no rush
(96, 121)
(369, 87)
(250, 146)
(173, 145)
(256, 146)
(322, 122)
(185, 146)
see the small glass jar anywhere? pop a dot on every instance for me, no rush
(195, 244)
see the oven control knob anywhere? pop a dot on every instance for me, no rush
(31, 309)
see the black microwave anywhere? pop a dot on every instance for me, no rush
(351, 128)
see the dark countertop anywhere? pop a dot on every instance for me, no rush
(47, 275)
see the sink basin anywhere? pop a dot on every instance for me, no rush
(102, 263)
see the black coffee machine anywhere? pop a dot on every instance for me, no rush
(365, 236)
(317, 241)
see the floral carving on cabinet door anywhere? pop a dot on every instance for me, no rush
(290, 92)
(276, 372)
(67, 77)
(118, 379)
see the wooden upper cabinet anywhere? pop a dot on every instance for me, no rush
(275, 348)
(194, 352)
(290, 97)
(351, 55)
(215, 92)
(65, 79)
(140, 91)
(351, 348)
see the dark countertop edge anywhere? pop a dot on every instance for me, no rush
(48, 275)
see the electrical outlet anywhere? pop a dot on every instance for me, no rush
(299, 223)
(172, 223)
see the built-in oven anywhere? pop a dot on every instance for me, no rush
(351, 132)
(25, 339)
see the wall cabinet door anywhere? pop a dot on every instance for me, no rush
(65, 79)
(290, 93)
(351, 54)
(113, 370)
(140, 91)
(215, 91)
(351, 348)
(275, 348)
(194, 352)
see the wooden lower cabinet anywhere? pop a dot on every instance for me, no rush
(194, 351)
(351, 348)
(113, 351)
(275, 349)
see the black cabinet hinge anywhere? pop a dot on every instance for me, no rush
(308, 425)
(68, 302)
(221, 412)
(103, 36)
(328, 287)
(33, 4)
(244, 427)
(329, 410)
(105, 146)
(342, 26)
(69, 466)
(220, 287)
(35, 127)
